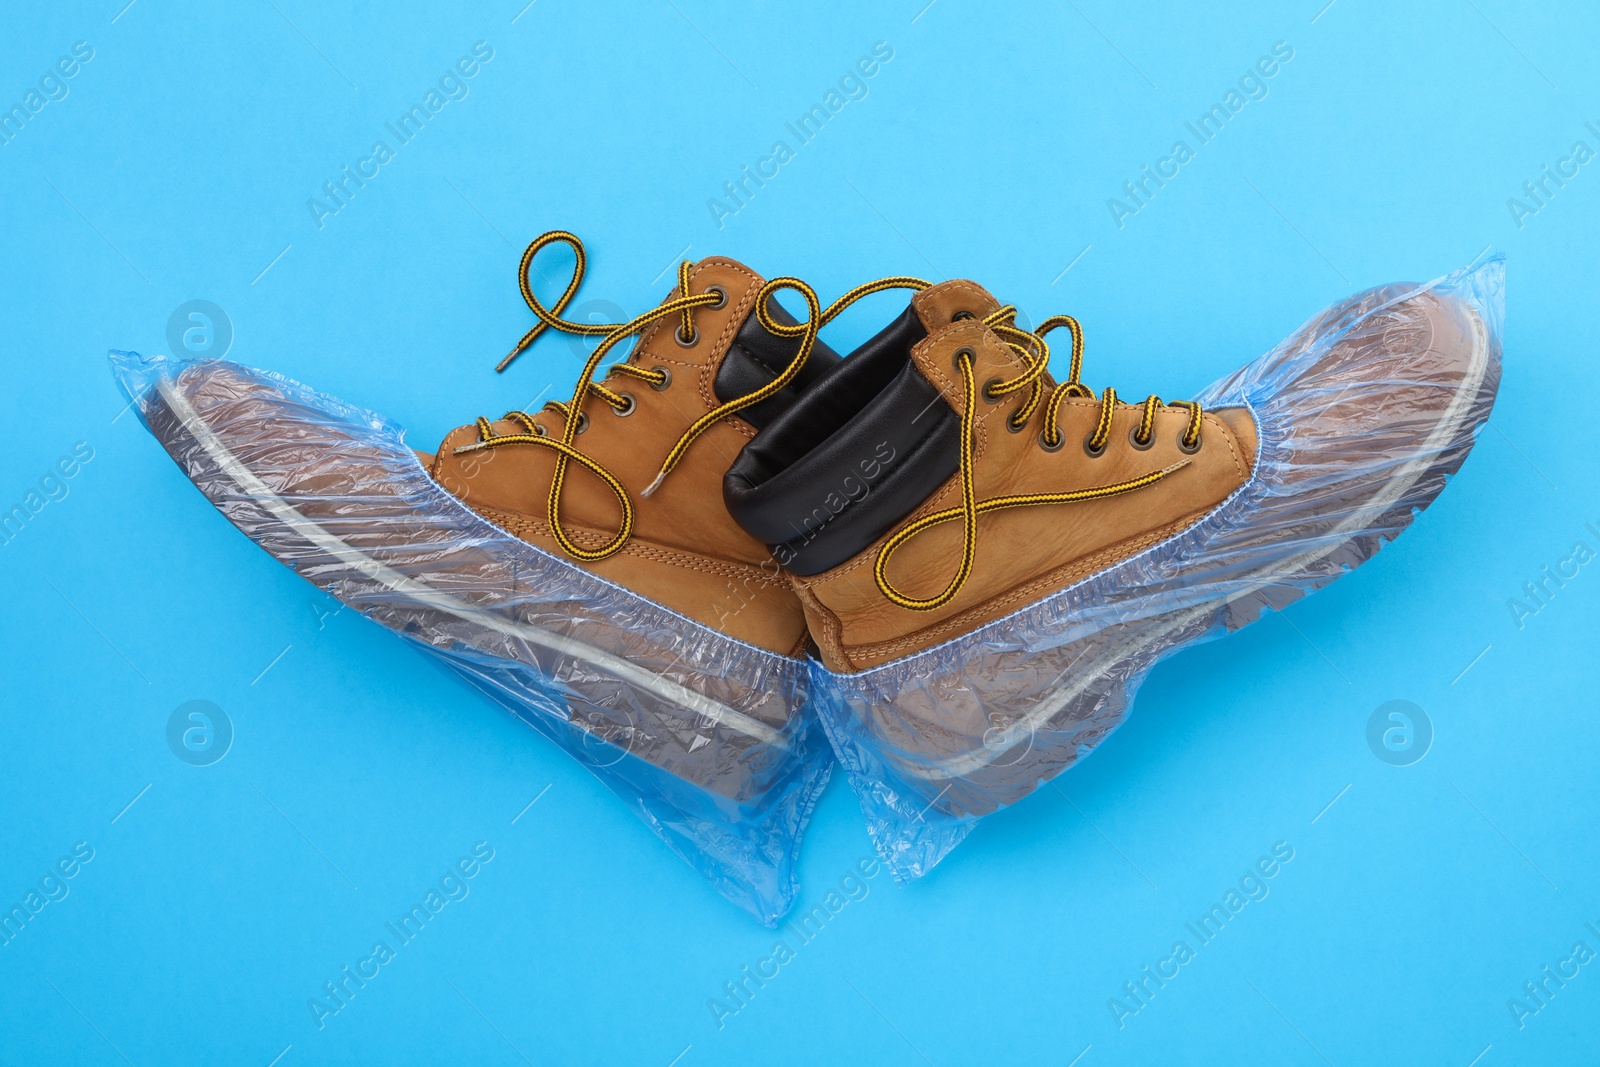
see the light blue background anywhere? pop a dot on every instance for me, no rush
(220, 901)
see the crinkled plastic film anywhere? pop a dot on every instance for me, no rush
(1362, 414)
(706, 738)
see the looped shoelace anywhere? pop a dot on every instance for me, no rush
(574, 420)
(1031, 347)
(684, 304)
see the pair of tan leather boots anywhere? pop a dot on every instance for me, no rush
(738, 471)
(986, 560)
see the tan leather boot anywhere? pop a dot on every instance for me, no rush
(1063, 483)
(675, 545)
(574, 563)
(991, 560)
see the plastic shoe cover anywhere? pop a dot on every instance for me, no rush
(701, 735)
(1362, 414)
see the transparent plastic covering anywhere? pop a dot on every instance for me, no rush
(1362, 414)
(704, 737)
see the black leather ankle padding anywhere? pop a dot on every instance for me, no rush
(756, 357)
(861, 449)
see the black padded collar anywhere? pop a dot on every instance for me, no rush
(756, 357)
(863, 447)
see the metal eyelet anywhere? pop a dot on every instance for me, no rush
(988, 396)
(1061, 440)
(1090, 450)
(539, 430)
(1186, 448)
(961, 315)
(1144, 445)
(722, 295)
(583, 421)
(1016, 427)
(627, 408)
(964, 350)
(687, 342)
(666, 379)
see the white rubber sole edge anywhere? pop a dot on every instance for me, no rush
(259, 492)
(1444, 431)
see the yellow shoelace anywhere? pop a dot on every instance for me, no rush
(575, 421)
(1034, 351)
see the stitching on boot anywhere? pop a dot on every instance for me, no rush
(832, 637)
(1026, 593)
(1233, 444)
(724, 340)
(521, 525)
